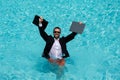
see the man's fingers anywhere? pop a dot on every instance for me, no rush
(41, 17)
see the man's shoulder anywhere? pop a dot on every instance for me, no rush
(62, 38)
(50, 36)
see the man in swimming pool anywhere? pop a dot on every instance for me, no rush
(55, 49)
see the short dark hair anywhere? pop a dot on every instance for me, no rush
(57, 28)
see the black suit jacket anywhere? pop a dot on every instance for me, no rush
(50, 40)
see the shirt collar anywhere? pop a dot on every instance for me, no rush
(56, 39)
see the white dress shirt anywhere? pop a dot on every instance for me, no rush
(56, 51)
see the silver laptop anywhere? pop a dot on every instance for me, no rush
(76, 27)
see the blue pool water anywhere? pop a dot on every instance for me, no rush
(94, 55)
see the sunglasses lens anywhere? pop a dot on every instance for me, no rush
(56, 32)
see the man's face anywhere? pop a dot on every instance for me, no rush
(57, 33)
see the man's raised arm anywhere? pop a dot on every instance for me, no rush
(42, 26)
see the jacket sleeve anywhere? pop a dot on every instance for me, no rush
(70, 37)
(42, 32)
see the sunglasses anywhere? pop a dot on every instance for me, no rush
(56, 32)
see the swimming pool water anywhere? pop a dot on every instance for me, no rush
(94, 55)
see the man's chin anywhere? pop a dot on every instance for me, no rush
(56, 37)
